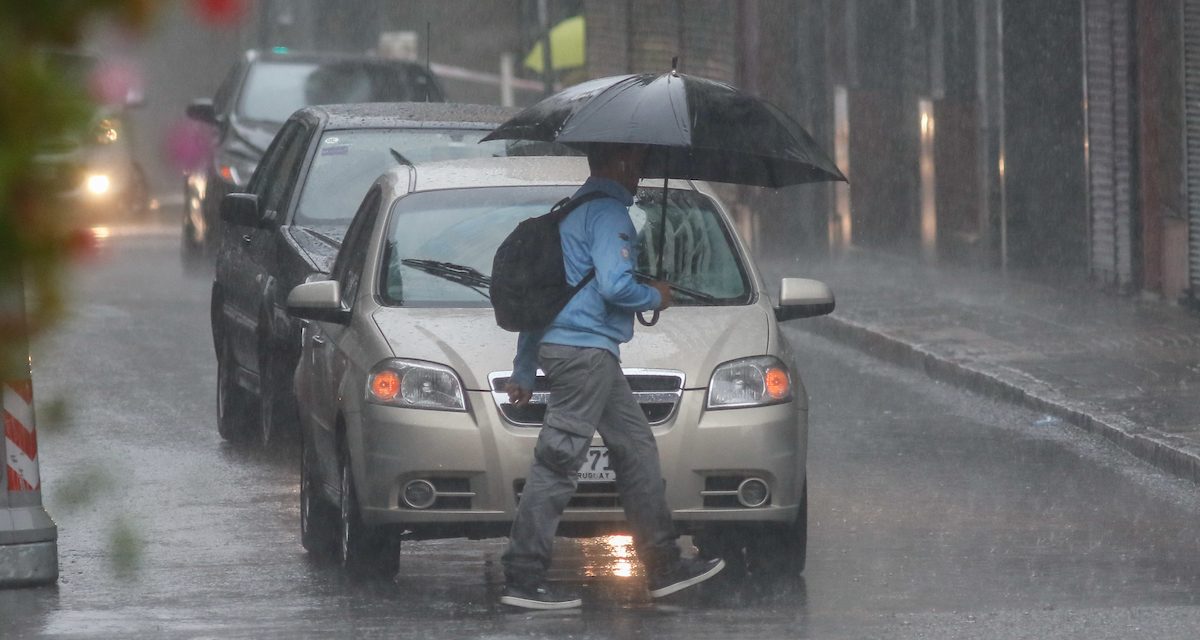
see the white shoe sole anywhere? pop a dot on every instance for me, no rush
(679, 586)
(527, 603)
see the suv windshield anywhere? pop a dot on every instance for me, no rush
(464, 227)
(273, 90)
(348, 161)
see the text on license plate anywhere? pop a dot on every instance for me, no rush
(596, 468)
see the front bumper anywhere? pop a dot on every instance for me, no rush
(490, 457)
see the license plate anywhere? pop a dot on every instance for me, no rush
(595, 468)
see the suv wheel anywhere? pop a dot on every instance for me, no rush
(235, 406)
(362, 549)
(318, 519)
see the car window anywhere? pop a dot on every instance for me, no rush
(277, 182)
(225, 92)
(465, 226)
(348, 161)
(273, 90)
(348, 266)
(697, 249)
(265, 171)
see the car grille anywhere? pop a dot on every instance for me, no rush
(588, 495)
(656, 390)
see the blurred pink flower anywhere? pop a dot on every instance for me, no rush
(189, 145)
(221, 13)
(115, 81)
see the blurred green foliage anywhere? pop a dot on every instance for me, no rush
(39, 103)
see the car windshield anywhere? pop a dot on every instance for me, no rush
(464, 227)
(274, 90)
(348, 161)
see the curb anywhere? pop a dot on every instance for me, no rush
(1169, 453)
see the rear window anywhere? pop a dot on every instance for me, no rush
(348, 161)
(273, 90)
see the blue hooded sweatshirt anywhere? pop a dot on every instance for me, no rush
(600, 235)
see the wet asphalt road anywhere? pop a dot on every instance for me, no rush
(934, 513)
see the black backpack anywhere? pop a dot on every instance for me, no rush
(529, 282)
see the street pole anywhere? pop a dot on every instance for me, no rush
(547, 57)
(28, 537)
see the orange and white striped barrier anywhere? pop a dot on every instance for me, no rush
(20, 437)
(28, 537)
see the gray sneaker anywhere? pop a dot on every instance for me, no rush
(683, 574)
(538, 596)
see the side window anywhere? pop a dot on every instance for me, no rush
(266, 166)
(348, 266)
(280, 176)
(221, 101)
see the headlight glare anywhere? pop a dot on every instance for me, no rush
(415, 385)
(749, 382)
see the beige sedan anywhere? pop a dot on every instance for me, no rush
(406, 429)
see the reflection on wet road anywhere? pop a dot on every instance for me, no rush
(933, 513)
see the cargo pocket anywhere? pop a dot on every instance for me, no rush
(560, 451)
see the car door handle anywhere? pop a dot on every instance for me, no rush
(246, 238)
(318, 340)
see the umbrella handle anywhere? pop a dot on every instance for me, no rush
(653, 319)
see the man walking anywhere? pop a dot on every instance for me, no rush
(580, 353)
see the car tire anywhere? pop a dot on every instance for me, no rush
(781, 549)
(361, 549)
(318, 518)
(236, 415)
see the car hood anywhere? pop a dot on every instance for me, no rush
(319, 243)
(689, 339)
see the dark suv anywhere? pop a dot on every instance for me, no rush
(252, 103)
(289, 224)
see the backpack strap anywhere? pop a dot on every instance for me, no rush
(567, 205)
(560, 211)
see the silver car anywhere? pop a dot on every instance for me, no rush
(406, 429)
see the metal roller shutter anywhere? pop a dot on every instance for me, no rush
(1107, 54)
(1191, 117)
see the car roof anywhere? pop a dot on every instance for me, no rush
(509, 171)
(383, 115)
(300, 56)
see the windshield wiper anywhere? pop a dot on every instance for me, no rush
(457, 273)
(691, 293)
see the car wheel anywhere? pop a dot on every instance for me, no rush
(235, 407)
(362, 549)
(277, 409)
(318, 518)
(781, 549)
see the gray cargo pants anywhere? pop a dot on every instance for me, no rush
(588, 392)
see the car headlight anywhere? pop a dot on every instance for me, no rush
(750, 382)
(415, 385)
(97, 184)
(235, 169)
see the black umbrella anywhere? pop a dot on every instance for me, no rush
(697, 129)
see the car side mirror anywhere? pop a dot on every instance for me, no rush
(241, 209)
(803, 298)
(320, 301)
(202, 110)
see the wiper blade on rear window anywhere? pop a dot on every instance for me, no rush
(461, 274)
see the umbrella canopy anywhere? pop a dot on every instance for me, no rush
(699, 129)
(568, 46)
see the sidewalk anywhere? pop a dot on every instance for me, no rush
(1126, 369)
